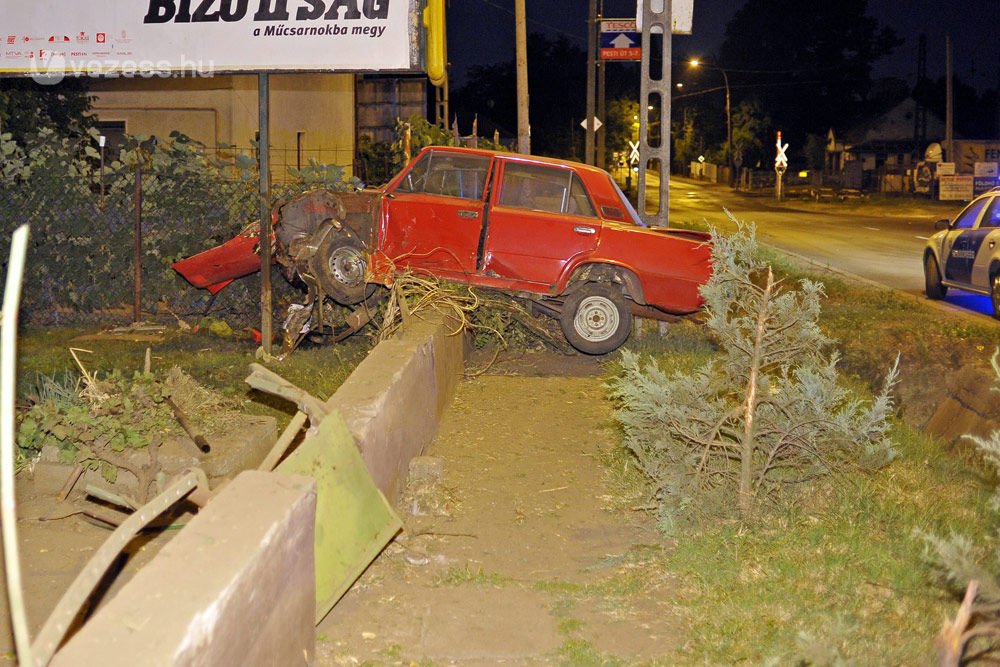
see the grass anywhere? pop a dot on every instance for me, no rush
(218, 363)
(833, 573)
(465, 575)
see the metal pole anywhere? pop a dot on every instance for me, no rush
(521, 49)
(729, 128)
(949, 137)
(602, 112)
(101, 141)
(263, 108)
(588, 144)
(600, 159)
(137, 249)
(9, 312)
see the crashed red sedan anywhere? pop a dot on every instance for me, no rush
(557, 233)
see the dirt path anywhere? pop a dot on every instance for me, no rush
(514, 555)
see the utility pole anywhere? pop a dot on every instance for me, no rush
(588, 144)
(521, 51)
(602, 112)
(949, 137)
(654, 92)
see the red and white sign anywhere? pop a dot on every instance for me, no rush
(620, 40)
(208, 36)
(781, 159)
(955, 187)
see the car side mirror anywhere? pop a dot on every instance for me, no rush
(942, 224)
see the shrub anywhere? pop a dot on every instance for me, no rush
(769, 409)
(82, 242)
(967, 566)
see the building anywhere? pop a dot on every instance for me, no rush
(883, 154)
(312, 116)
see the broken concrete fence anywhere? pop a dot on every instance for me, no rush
(234, 587)
(244, 582)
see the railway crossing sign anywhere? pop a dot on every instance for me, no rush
(781, 159)
(633, 154)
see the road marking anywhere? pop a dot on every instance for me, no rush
(923, 238)
(874, 229)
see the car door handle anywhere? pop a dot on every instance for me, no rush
(468, 214)
(580, 229)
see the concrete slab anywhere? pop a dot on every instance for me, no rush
(394, 399)
(235, 587)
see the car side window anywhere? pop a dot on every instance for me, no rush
(447, 174)
(967, 218)
(416, 177)
(992, 215)
(542, 188)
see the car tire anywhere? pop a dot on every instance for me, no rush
(995, 294)
(341, 266)
(932, 279)
(595, 319)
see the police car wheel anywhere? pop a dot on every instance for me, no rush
(932, 279)
(995, 294)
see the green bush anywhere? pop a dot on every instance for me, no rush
(81, 249)
(767, 410)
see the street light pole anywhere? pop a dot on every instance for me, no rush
(729, 129)
(729, 115)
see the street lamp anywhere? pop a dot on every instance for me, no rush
(694, 62)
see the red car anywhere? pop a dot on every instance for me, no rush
(557, 233)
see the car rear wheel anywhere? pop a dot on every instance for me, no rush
(932, 279)
(595, 319)
(341, 265)
(995, 294)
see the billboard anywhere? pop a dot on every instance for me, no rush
(56, 38)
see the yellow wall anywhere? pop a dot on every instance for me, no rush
(223, 110)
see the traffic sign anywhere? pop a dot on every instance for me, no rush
(620, 40)
(781, 159)
(633, 154)
(596, 122)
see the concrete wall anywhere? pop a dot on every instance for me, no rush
(235, 587)
(394, 399)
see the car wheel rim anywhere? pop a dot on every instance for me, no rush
(347, 266)
(596, 319)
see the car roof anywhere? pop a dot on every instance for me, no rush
(515, 156)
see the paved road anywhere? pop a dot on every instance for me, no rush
(882, 248)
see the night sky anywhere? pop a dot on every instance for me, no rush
(481, 32)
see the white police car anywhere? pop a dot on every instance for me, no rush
(965, 253)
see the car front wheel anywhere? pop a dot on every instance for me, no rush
(341, 267)
(595, 319)
(932, 279)
(995, 294)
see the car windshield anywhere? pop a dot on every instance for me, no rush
(628, 205)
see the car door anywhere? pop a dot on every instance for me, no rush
(962, 242)
(541, 217)
(434, 213)
(987, 234)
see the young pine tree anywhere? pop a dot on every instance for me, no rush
(768, 409)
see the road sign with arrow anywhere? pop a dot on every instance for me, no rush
(620, 40)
